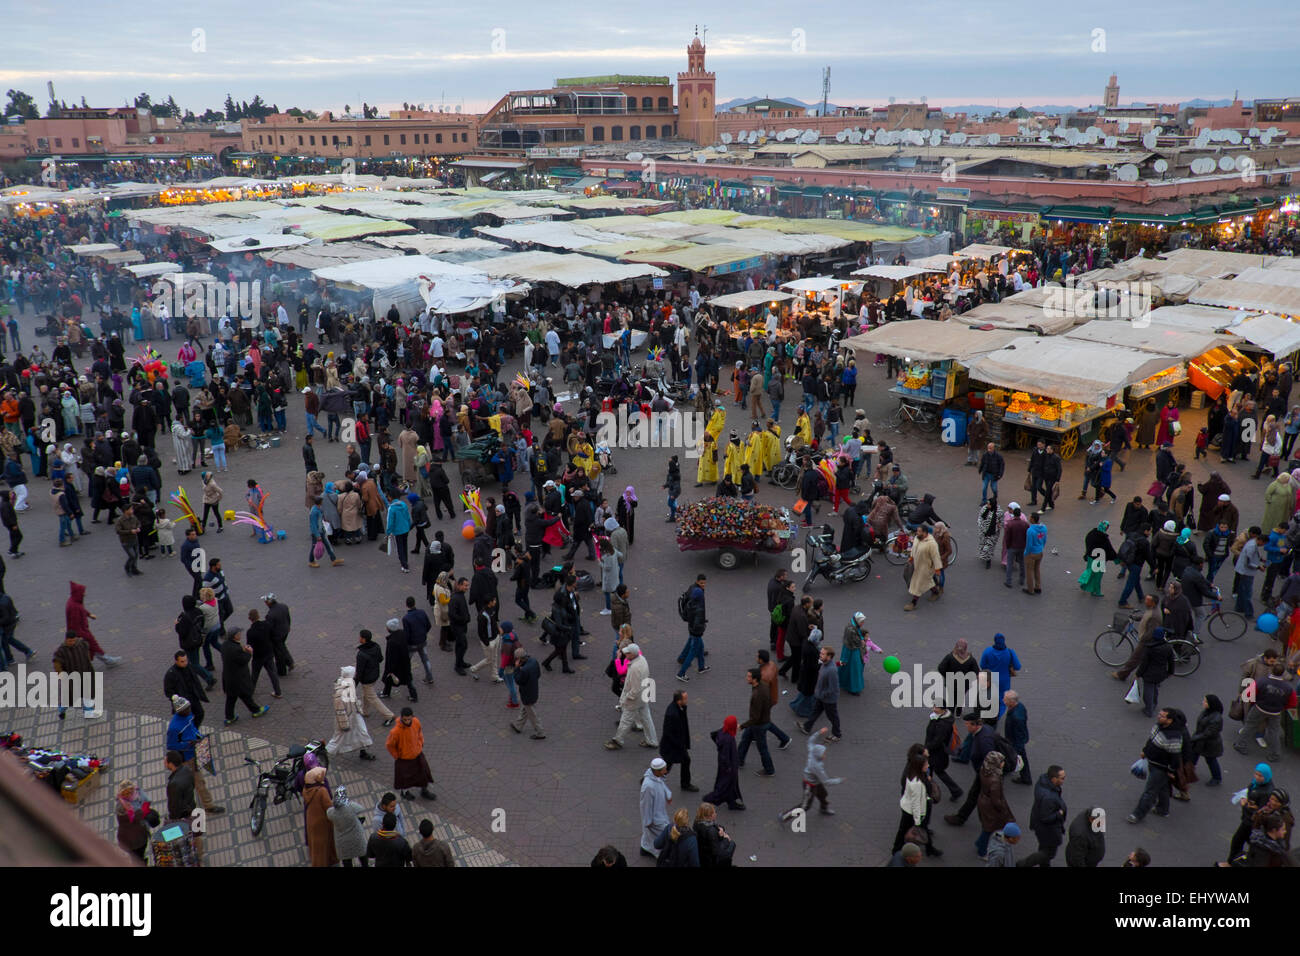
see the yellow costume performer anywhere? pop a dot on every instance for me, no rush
(755, 454)
(771, 446)
(717, 423)
(735, 455)
(707, 472)
(803, 428)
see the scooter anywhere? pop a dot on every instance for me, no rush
(831, 564)
(284, 774)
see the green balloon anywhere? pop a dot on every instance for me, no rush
(891, 665)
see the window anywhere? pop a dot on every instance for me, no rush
(663, 104)
(367, 139)
(631, 104)
(336, 141)
(58, 142)
(76, 143)
(598, 134)
(282, 140)
(300, 140)
(403, 139)
(647, 104)
(349, 140)
(437, 137)
(385, 139)
(686, 102)
(426, 139)
(704, 103)
(616, 133)
(634, 133)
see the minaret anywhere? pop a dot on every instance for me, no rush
(1112, 93)
(695, 98)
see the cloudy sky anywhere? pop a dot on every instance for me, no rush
(323, 55)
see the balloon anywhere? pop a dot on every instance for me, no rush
(1267, 623)
(467, 532)
(891, 665)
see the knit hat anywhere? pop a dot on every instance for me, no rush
(393, 624)
(1011, 830)
(179, 703)
(611, 524)
(1170, 526)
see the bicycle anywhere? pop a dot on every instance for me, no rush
(1114, 647)
(910, 416)
(1225, 625)
(1187, 657)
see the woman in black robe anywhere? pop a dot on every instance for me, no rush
(726, 786)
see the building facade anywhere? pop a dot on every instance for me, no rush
(401, 134)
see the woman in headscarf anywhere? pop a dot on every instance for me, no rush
(943, 538)
(1210, 490)
(349, 832)
(1146, 424)
(1207, 738)
(625, 512)
(994, 812)
(855, 653)
(989, 527)
(350, 731)
(329, 507)
(1097, 550)
(1092, 468)
(726, 785)
(1168, 417)
(916, 801)
(422, 460)
(134, 819)
(318, 829)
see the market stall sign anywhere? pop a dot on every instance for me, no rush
(952, 194)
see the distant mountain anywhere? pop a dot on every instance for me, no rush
(814, 108)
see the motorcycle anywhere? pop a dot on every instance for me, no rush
(831, 564)
(285, 775)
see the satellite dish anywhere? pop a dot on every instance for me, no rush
(1265, 139)
(1160, 165)
(1227, 164)
(1044, 136)
(1093, 131)
(1254, 131)
(753, 136)
(1110, 142)
(1149, 139)
(975, 141)
(1128, 173)
(810, 136)
(701, 158)
(780, 137)
(1234, 137)
(936, 137)
(722, 149)
(841, 136)
(1203, 165)
(957, 139)
(1122, 126)
(1246, 141)
(635, 157)
(1273, 131)
(1074, 138)
(1158, 130)
(725, 137)
(855, 137)
(1092, 135)
(1243, 161)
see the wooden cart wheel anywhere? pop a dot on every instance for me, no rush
(1023, 439)
(1069, 444)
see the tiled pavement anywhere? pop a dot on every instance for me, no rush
(560, 799)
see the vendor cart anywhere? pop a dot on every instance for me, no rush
(1067, 435)
(730, 549)
(709, 525)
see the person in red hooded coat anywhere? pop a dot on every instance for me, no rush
(78, 621)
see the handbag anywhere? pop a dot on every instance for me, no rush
(1176, 427)
(390, 545)
(1237, 710)
(1139, 768)
(1156, 490)
(1029, 483)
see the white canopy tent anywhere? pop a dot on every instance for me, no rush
(257, 242)
(435, 245)
(896, 273)
(748, 300)
(567, 269)
(983, 250)
(1255, 296)
(414, 283)
(1270, 276)
(1271, 333)
(1162, 339)
(144, 270)
(820, 284)
(925, 341)
(939, 263)
(1003, 315)
(1086, 372)
(92, 248)
(1199, 318)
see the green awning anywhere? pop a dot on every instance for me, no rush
(735, 182)
(789, 191)
(1093, 214)
(866, 194)
(814, 192)
(1153, 219)
(895, 196)
(565, 172)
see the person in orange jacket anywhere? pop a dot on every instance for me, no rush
(410, 768)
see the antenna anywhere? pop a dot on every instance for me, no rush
(826, 88)
(705, 38)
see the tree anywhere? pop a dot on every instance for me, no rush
(212, 116)
(257, 109)
(232, 111)
(189, 117)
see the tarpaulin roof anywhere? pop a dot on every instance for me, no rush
(1064, 368)
(1271, 333)
(1224, 263)
(1163, 339)
(701, 258)
(819, 284)
(1270, 276)
(748, 300)
(1002, 315)
(1201, 318)
(121, 257)
(92, 248)
(553, 234)
(1256, 296)
(255, 243)
(937, 263)
(321, 255)
(983, 250)
(568, 269)
(896, 273)
(430, 245)
(927, 341)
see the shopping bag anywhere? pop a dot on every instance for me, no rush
(203, 755)
(317, 551)
(390, 545)
(1176, 427)
(1237, 710)
(1156, 490)
(1134, 696)
(329, 528)
(799, 506)
(1139, 768)
(1029, 483)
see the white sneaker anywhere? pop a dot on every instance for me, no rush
(605, 612)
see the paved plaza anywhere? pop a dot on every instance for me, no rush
(503, 798)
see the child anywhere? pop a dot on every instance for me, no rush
(815, 779)
(166, 533)
(1202, 443)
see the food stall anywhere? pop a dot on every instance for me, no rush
(822, 295)
(886, 280)
(1059, 389)
(1214, 371)
(1270, 334)
(1182, 346)
(751, 309)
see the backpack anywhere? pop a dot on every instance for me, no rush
(1127, 551)
(187, 629)
(778, 614)
(684, 606)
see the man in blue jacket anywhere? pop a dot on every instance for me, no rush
(1002, 661)
(1016, 730)
(696, 619)
(1047, 817)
